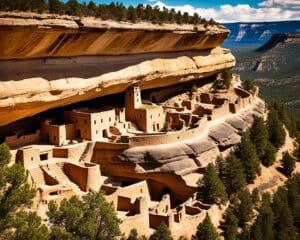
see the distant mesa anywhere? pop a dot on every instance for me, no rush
(280, 38)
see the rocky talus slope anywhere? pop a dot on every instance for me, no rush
(49, 62)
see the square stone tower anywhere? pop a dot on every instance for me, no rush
(133, 100)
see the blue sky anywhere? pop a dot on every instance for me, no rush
(229, 10)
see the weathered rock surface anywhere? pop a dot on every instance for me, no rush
(28, 36)
(91, 59)
(20, 98)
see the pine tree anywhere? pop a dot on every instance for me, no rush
(221, 167)
(263, 227)
(247, 153)
(293, 188)
(161, 233)
(15, 195)
(255, 196)
(259, 136)
(245, 234)
(213, 189)
(270, 155)
(5, 155)
(28, 226)
(288, 164)
(235, 179)
(55, 6)
(131, 14)
(133, 235)
(226, 77)
(73, 8)
(90, 218)
(284, 224)
(275, 128)
(248, 85)
(243, 206)
(230, 225)
(206, 230)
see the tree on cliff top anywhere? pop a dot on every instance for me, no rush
(206, 230)
(90, 218)
(211, 187)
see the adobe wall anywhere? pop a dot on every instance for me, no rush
(221, 111)
(138, 219)
(102, 121)
(146, 140)
(132, 191)
(156, 220)
(170, 182)
(82, 124)
(157, 117)
(60, 152)
(85, 176)
(163, 206)
(17, 141)
(28, 157)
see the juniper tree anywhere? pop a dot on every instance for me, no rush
(288, 164)
(247, 153)
(206, 230)
(211, 187)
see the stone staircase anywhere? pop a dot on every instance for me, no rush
(37, 176)
(57, 170)
(88, 148)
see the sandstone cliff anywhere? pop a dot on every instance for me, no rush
(157, 56)
(280, 38)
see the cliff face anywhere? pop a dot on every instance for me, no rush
(280, 38)
(56, 37)
(157, 56)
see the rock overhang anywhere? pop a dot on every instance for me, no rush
(104, 58)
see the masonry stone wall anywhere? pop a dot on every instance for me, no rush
(17, 141)
(146, 140)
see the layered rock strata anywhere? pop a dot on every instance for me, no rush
(156, 56)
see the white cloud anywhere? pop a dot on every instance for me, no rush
(284, 4)
(269, 10)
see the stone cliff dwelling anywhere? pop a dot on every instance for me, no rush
(146, 154)
(124, 151)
